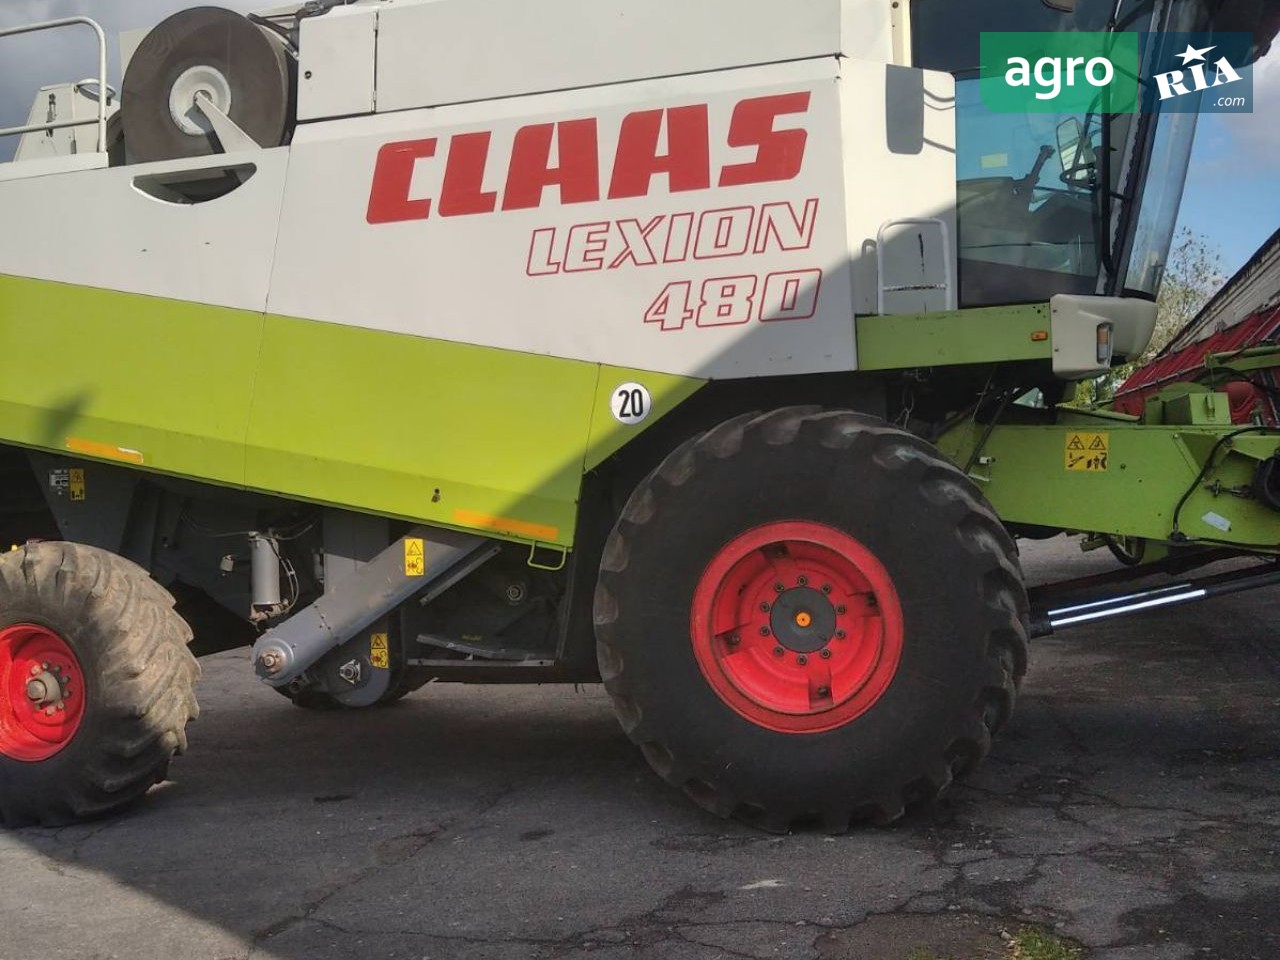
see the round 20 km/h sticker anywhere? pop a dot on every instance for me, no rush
(631, 403)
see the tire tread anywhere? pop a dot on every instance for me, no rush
(977, 527)
(145, 696)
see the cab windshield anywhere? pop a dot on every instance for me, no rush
(1053, 203)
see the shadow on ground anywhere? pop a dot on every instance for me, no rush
(1133, 807)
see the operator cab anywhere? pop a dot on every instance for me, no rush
(1034, 216)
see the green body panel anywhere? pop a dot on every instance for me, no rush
(986, 335)
(477, 438)
(1208, 408)
(170, 380)
(1180, 403)
(608, 436)
(429, 430)
(1251, 358)
(1022, 471)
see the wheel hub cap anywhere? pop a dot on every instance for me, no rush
(797, 627)
(803, 620)
(45, 690)
(41, 693)
(183, 106)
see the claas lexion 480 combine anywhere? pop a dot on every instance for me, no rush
(714, 350)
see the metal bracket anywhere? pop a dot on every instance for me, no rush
(479, 651)
(101, 80)
(232, 138)
(410, 565)
(536, 564)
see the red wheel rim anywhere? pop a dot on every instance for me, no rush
(797, 627)
(42, 693)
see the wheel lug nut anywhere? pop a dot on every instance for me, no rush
(764, 631)
(764, 608)
(44, 666)
(778, 651)
(62, 706)
(825, 654)
(840, 634)
(802, 659)
(35, 670)
(871, 600)
(49, 711)
(842, 609)
(826, 588)
(802, 580)
(778, 588)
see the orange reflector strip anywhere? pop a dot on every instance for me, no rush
(104, 451)
(1038, 335)
(523, 528)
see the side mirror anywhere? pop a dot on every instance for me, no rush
(1075, 152)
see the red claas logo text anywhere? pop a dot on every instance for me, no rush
(685, 163)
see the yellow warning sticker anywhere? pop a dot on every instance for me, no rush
(415, 564)
(1087, 452)
(75, 484)
(379, 653)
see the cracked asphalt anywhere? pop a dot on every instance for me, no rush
(1133, 807)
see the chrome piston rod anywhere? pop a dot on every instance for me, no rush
(1049, 621)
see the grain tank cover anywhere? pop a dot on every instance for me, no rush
(436, 52)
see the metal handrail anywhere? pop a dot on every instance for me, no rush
(947, 285)
(101, 80)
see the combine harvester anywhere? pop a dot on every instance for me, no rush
(651, 342)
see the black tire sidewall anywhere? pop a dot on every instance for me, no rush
(890, 508)
(137, 674)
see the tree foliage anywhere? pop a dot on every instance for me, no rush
(1191, 277)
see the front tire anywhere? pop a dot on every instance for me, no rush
(810, 616)
(96, 683)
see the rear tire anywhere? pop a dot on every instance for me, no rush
(108, 632)
(890, 683)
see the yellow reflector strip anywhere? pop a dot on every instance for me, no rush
(522, 528)
(104, 451)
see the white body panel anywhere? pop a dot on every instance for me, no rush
(337, 77)
(716, 219)
(544, 279)
(440, 51)
(900, 165)
(44, 168)
(217, 253)
(58, 104)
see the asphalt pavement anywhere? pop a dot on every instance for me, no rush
(1132, 807)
